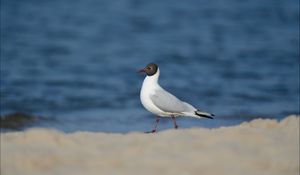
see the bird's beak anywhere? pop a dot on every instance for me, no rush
(141, 71)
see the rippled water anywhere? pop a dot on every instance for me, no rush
(75, 61)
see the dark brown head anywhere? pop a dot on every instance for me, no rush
(150, 69)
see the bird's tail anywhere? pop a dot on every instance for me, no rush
(204, 114)
(193, 112)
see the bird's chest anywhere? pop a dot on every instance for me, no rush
(145, 96)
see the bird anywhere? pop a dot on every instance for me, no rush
(161, 103)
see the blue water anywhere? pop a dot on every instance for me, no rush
(74, 62)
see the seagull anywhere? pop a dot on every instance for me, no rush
(162, 103)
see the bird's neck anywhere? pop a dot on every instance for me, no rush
(152, 80)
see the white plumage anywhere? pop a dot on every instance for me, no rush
(162, 103)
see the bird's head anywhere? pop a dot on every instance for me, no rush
(150, 69)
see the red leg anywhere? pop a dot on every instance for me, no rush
(155, 125)
(174, 122)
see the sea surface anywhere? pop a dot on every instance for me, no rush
(74, 63)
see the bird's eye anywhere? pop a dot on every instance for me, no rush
(148, 68)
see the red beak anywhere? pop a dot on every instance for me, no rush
(141, 71)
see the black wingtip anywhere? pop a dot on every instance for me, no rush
(210, 116)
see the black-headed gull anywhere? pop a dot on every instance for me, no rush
(163, 104)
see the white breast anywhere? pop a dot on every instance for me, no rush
(148, 88)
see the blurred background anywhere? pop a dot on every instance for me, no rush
(72, 64)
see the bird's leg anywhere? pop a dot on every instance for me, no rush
(174, 122)
(155, 125)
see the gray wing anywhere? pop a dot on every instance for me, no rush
(168, 102)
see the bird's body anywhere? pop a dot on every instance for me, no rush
(148, 88)
(152, 97)
(162, 103)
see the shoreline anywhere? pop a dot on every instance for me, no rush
(261, 146)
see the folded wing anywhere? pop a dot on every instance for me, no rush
(169, 103)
